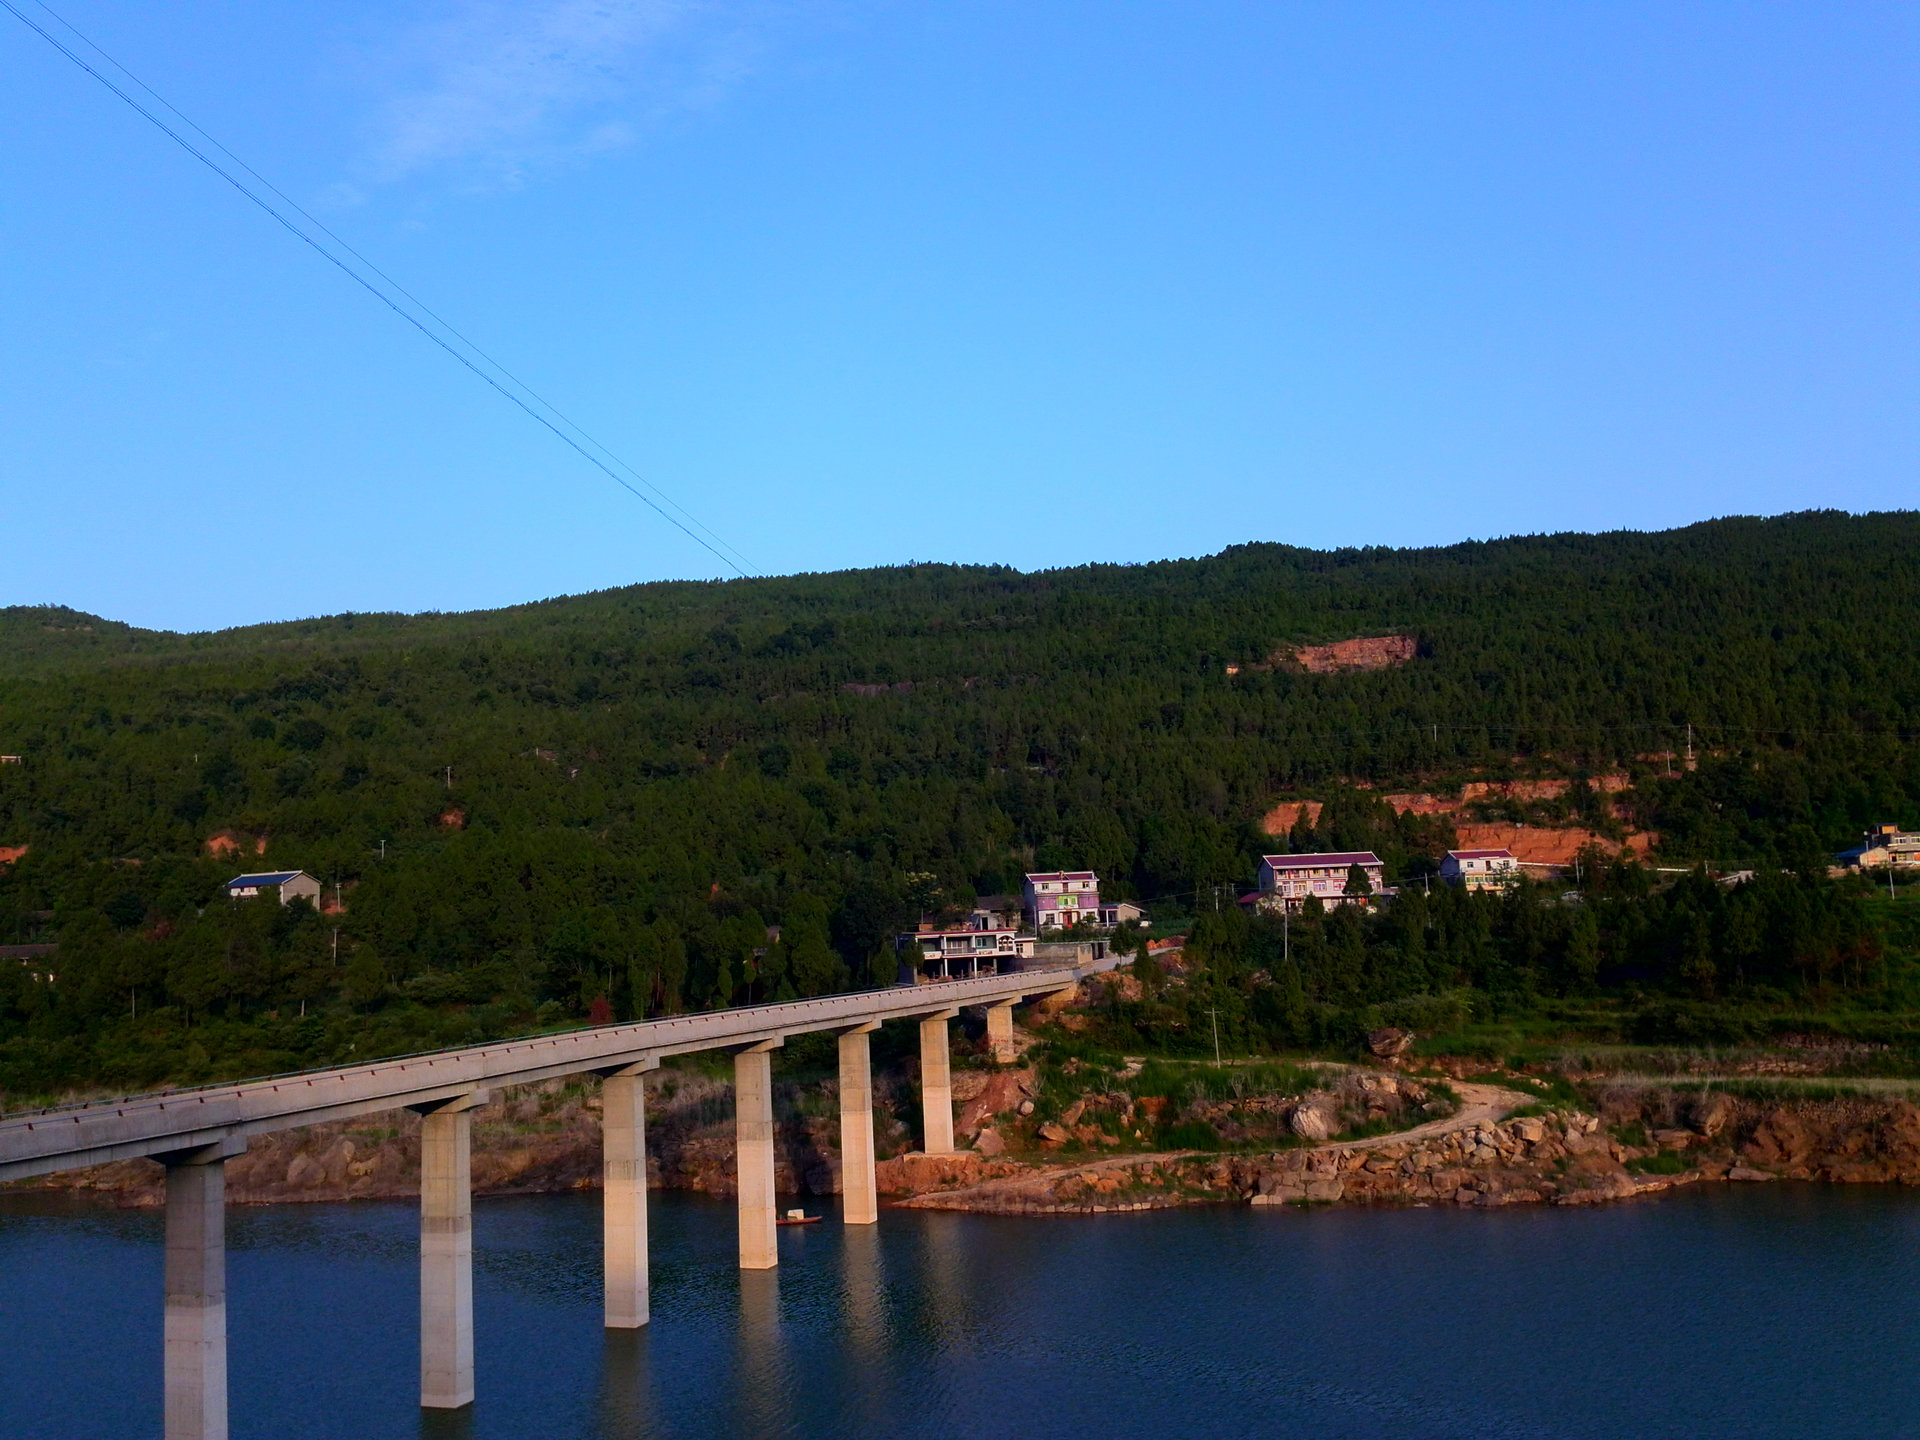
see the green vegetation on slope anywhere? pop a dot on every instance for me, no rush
(642, 780)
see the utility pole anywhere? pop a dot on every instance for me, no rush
(1216, 1035)
(449, 777)
(383, 849)
(336, 951)
(1689, 745)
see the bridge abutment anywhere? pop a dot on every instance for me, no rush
(446, 1251)
(623, 1170)
(195, 1328)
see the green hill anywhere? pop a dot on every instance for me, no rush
(643, 779)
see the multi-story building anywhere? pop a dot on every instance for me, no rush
(951, 954)
(1061, 899)
(1480, 869)
(1287, 880)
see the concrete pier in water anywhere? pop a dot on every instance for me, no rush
(195, 1328)
(446, 1252)
(753, 1136)
(859, 1197)
(623, 1177)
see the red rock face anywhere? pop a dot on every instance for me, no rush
(1283, 817)
(11, 853)
(1373, 652)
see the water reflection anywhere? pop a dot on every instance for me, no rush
(764, 1404)
(447, 1424)
(863, 1300)
(626, 1385)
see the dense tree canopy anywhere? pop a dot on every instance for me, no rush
(616, 795)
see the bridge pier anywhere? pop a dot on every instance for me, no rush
(859, 1197)
(753, 1143)
(1000, 1032)
(623, 1172)
(936, 1084)
(195, 1328)
(446, 1251)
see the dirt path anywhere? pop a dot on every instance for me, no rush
(1479, 1104)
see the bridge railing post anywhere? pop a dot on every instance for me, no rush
(623, 1110)
(446, 1251)
(859, 1197)
(754, 1159)
(195, 1328)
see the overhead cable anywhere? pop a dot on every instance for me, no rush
(685, 527)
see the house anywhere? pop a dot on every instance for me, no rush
(289, 885)
(1480, 869)
(1061, 899)
(1884, 847)
(950, 954)
(996, 912)
(1287, 880)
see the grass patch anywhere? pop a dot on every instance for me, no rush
(1665, 1163)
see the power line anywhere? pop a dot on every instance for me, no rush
(415, 299)
(368, 285)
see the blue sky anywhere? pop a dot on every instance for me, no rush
(859, 283)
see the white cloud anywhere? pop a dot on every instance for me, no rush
(507, 88)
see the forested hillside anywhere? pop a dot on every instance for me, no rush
(615, 794)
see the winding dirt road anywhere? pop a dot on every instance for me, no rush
(1030, 1190)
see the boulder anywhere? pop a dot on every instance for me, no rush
(1708, 1113)
(990, 1142)
(1390, 1043)
(1311, 1122)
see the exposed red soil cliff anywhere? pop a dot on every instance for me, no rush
(1371, 652)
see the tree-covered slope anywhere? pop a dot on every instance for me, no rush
(641, 777)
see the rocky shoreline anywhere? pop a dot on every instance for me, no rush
(1499, 1148)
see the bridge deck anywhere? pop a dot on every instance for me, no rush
(72, 1136)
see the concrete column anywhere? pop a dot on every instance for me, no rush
(195, 1329)
(1000, 1032)
(859, 1200)
(753, 1137)
(623, 1170)
(446, 1252)
(936, 1084)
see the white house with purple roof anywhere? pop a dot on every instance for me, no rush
(1287, 880)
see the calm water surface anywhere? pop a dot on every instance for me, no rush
(1742, 1312)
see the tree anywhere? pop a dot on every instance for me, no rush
(812, 966)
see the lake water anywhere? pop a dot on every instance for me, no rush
(1750, 1311)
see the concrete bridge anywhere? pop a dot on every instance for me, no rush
(194, 1132)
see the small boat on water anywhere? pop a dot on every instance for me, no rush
(798, 1217)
